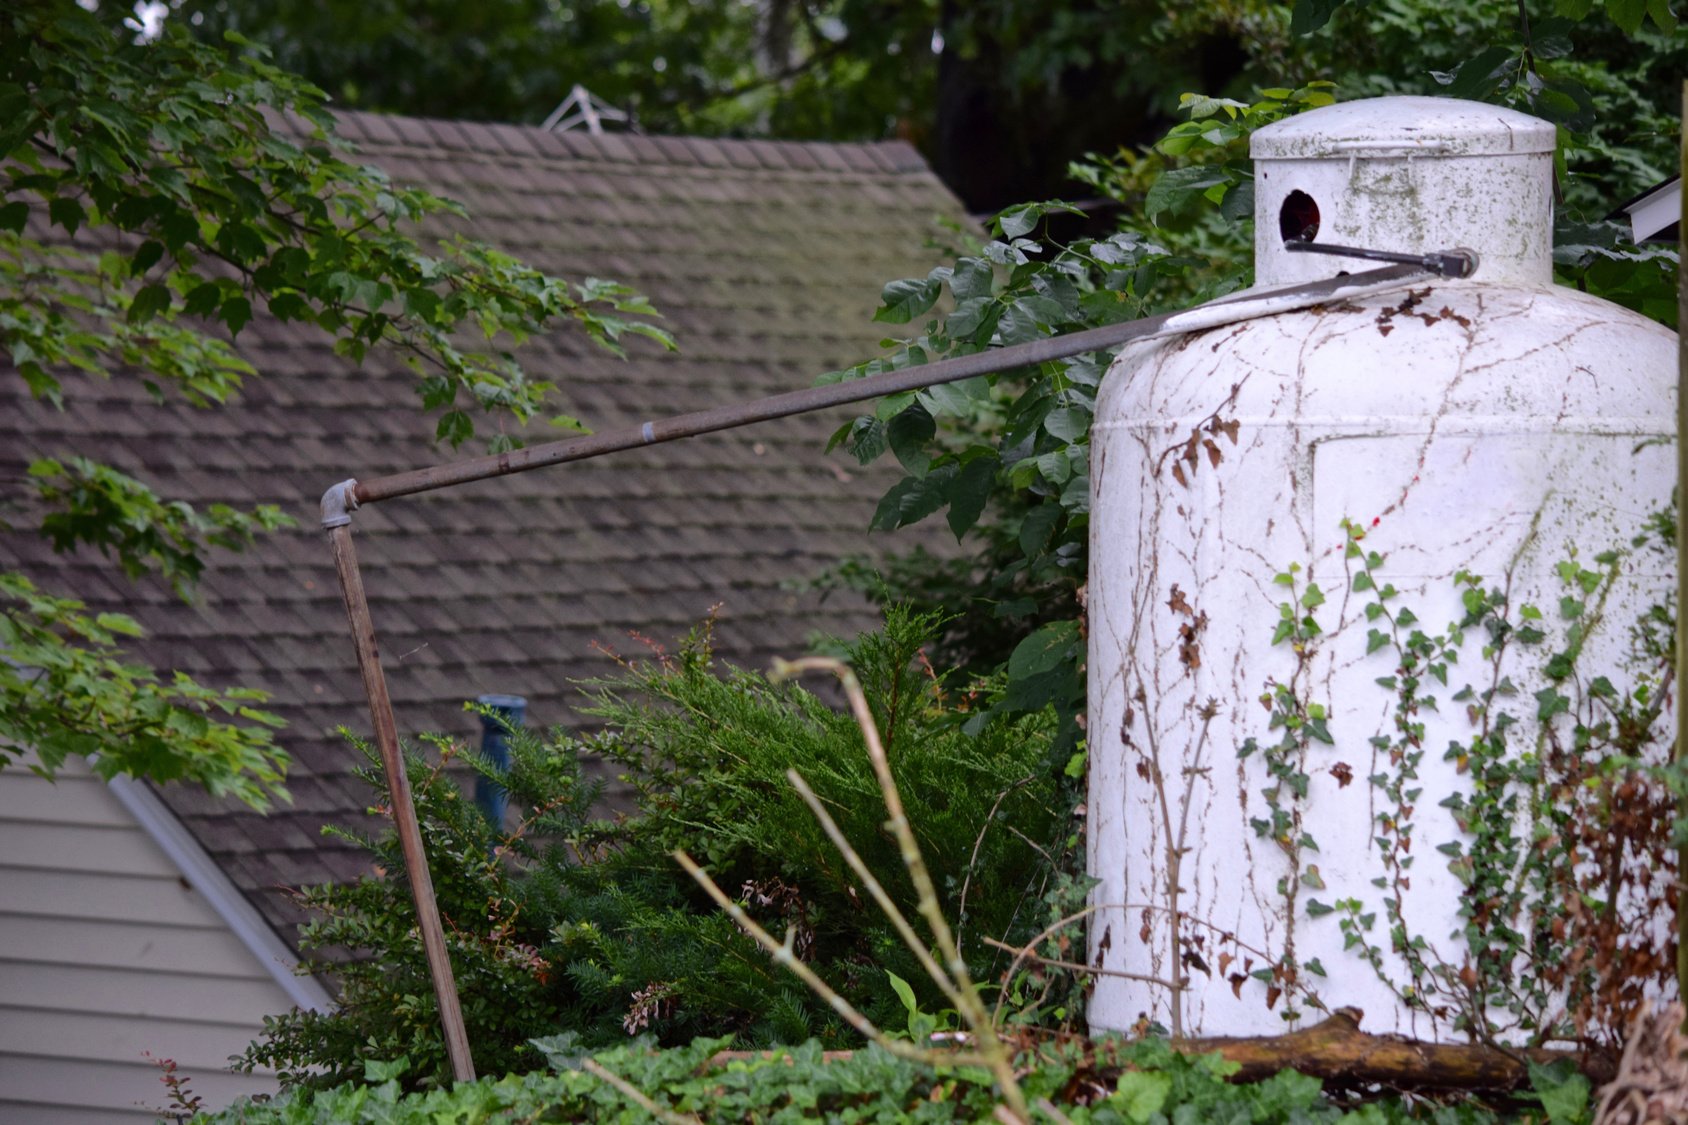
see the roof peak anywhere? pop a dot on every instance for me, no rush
(891, 157)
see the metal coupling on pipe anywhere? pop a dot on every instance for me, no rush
(1458, 262)
(338, 504)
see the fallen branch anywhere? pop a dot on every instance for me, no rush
(1337, 1051)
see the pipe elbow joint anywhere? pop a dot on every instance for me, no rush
(338, 504)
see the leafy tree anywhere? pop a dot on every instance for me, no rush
(1000, 96)
(191, 187)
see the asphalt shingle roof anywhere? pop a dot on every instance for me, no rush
(766, 260)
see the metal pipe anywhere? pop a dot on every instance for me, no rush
(398, 790)
(1211, 315)
(1444, 263)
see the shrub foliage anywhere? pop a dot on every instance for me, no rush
(567, 923)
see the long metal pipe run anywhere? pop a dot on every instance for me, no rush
(342, 499)
(1214, 314)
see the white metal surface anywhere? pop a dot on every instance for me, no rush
(1490, 426)
(1412, 175)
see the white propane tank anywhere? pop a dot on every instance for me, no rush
(1281, 821)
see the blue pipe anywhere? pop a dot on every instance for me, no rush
(505, 715)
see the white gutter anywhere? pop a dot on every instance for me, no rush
(199, 869)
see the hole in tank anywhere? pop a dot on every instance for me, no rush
(1298, 218)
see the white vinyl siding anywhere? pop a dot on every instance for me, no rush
(106, 952)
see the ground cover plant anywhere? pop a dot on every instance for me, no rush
(1137, 1084)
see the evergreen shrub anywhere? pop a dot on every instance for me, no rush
(570, 924)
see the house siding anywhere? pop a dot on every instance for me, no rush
(107, 953)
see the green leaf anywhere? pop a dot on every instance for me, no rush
(1478, 76)
(1549, 702)
(236, 312)
(1067, 423)
(148, 303)
(1043, 651)
(913, 499)
(1238, 204)
(905, 299)
(1019, 325)
(1036, 528)
(904, 992)
(455, 427)
(890, 406)
(972, 279)
(867, 439)
(145, 257)
(1563, 1091)
(67, 213)
(974, 318)
(1180, 186)
(1018, 221)
(1141, 1094)
(909, 434)
(203, 299)
(121, 624)
(1309, 16)
(288, 306)
(1627, 14)
(376, 1071)
(960, 398)
(970, 491)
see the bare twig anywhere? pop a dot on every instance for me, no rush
(1025, 953)
(973, 859)
(1028, 951)
(960, 983)
(1030, 843)
(874, 888)
(781, 952)
(1047, 1107)
(637, 1096)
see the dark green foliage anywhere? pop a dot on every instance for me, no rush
(708, 756)
(1006, 456)
(592, 928)
(1000, 96)
(386, 1001)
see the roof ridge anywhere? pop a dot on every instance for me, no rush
(895, 156)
